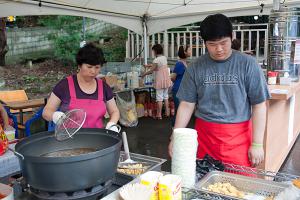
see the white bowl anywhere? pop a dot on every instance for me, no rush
(135, 191)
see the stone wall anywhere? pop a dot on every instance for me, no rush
(32, 43)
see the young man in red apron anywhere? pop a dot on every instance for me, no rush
(228, 92)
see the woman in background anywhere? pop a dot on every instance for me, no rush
(162, 80)
(4, 121)
(183, 53)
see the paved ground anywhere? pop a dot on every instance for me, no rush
(151, 137)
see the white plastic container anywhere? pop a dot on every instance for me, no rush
(6, 191)
(151, 179)
(184, 155)
(10, 134)
(170, 187)
(132, 80)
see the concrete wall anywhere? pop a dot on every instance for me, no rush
(33, 43)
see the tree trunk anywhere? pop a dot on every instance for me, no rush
(3, 41)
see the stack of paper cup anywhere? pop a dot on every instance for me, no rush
(184, 155)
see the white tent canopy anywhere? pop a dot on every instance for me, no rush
(158, 14)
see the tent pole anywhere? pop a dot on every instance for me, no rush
(276, 4)
(145, 43)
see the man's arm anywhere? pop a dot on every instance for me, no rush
(184, 114)
(256, 150)
(259, 117)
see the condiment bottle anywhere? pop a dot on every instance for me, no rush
(272, 78)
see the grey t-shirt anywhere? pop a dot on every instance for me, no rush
(224, 91)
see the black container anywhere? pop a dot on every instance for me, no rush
(72, 173)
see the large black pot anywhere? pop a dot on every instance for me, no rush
(72, 173)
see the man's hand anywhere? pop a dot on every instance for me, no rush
(256, 155)
(170, 148)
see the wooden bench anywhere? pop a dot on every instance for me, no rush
(14, 95)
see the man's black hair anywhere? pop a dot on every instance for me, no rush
(158, 49)
(90, 54)
(215, 27)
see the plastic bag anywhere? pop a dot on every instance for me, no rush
(3, 141)
(208, 164)
(290, 193)
(126, 104)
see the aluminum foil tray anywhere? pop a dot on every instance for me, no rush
(152, 163)
(243, 183)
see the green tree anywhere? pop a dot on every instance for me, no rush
(67, 36)
(3, 41)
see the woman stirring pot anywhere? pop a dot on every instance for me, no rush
(84, 91)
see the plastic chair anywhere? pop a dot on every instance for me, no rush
(15, 120)
(35, 117)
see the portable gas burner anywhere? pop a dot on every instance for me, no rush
(25, 192)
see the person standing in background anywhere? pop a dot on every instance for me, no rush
(162, 80)
(183, 53)
(4, 121)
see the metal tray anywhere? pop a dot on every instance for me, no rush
(153, 163)
(246, 184)
(267, 178)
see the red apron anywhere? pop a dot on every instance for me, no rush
(225, 142)
(95, 109)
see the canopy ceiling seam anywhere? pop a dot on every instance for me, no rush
(80, 7)
(221, 2)
(148, 6)
(87, 3)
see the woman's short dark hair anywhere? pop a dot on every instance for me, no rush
(236, 44)
(158, 49)
(90, 54)
(215, 27)
(182, 51)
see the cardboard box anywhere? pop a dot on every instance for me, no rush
(111, 80)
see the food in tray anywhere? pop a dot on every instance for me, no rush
(226, 188)
(132, 169)
(269, 198)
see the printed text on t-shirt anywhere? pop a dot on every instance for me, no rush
(221, 79)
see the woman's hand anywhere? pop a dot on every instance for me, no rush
(113, 127)
(57, 115)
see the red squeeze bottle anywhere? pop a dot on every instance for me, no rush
(3, 142)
